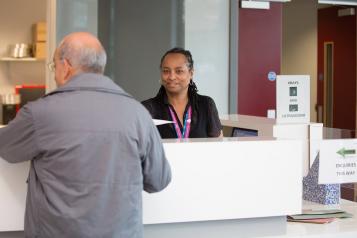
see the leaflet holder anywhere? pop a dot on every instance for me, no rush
(326, 194)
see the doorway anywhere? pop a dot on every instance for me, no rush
(337, 68)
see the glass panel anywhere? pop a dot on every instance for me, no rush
(207, 36)
(64, 17)
(136, 34)
(76, 15)
(348, 190)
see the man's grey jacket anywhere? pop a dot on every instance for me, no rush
(93, 149)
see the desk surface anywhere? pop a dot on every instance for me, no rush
(339, 228)
(263, 125)
(263, 228)
(232, 118)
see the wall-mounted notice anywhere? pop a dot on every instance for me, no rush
(293, 99)
(338, 161)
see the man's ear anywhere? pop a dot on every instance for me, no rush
(67, 70)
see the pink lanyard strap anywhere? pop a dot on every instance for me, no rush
(186, 123)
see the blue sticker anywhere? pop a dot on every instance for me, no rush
(272, 76)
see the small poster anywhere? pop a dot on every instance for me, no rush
(293, 99)
(338, 161)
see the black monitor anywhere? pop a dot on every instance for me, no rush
(243, 132)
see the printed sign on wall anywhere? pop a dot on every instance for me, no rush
(338, 161)
(293, 99)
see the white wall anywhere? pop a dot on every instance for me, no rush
(299, 54)
(207, 37)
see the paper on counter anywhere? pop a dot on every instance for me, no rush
(314, 221)
(320, 214)
(158, 122)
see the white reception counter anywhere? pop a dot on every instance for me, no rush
(217, 179)
(213, 179)
(232, 187)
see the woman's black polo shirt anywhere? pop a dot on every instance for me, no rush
(204, 122)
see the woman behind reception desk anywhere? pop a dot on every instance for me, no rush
(192, 115)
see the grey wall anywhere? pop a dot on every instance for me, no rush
(136, 34)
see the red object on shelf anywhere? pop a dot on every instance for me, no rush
(29, 93)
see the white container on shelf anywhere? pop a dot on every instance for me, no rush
(20, 50)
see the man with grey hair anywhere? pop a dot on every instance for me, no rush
(92, 147)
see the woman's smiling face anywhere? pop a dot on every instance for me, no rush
(175, 73)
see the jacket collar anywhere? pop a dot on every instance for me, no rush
(162, 97)
(90, 82)
(165, 99)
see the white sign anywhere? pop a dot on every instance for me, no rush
(338, 161)
(293, 99)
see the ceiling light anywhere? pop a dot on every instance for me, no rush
(259, 4)
(275, 0)
(255, 4)
(336, 2)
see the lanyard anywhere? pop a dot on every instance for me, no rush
(186, 123)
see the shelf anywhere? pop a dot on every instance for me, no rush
(29, 59)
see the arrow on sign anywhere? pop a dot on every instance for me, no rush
(345, 152)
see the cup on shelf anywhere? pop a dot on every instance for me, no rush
(9, 105)
(20, 50)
